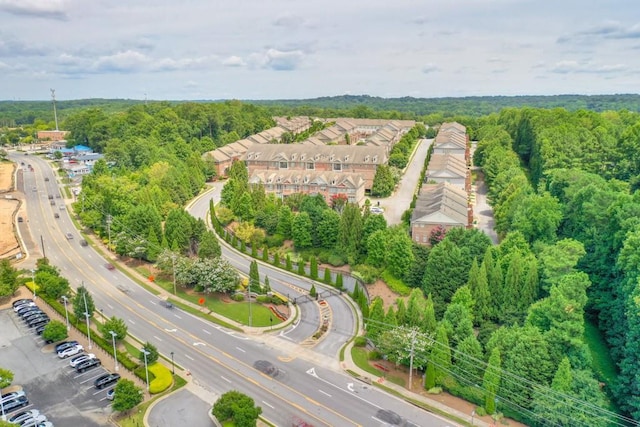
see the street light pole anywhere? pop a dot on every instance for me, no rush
(115, 355)
(173, 366)
(250, 316)
(86, 315)
(66, 313)
(146, 368)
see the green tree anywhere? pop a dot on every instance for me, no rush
(301, 270)
(301, 231)
(444, 274)
(313, 268)
(441, 355)
(254, 276)
(285, 221)
(209, 246)
(327, 277)
(116, 325)
(459, 323)
(339, 281)
(350, 233)
(491, 381)
(152, 353)
(288, 264)
(467, 358)
(6, 378)
(83, 303)
(479, 286)
(383, 182)
(8, 278)
(429, 322)
(238, 408)
(377, 249)
(375, 322)
(55, 331)
(312, 292)
(153, 246)
(126, 395)
(52, 285)
(400, 255)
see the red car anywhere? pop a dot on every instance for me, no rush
(110, 266)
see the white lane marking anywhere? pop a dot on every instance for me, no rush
(351, 393)
(152, 302)
(324, 392)
(110, 306)
(226, 379)
(177, 316)
(241, 349)
(170, 330)
(188, 357)
(132, 322)
(195, 344)
(206, 332)
(159, 339)
(267, 404)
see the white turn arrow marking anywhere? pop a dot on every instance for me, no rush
(312, 372)
(198, 343)
(350, 387)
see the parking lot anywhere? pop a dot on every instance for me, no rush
(65, 397)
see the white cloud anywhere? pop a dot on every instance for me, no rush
(121, 62)
(576, 67)
(282, 60)
(233, 61)
(53, 9)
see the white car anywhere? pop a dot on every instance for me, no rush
(81, 358)
(36, 421)
(376, 210)
(23, 416)
(71, 351)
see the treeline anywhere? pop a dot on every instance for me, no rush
(153, 165)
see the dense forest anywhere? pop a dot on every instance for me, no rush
(507, 327)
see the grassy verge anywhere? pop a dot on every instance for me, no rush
(135, 419)
(361, 360)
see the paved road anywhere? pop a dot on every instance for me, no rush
(395, 205)
(309, 384)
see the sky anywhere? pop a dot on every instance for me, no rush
(292, 49)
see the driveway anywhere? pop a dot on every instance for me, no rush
(395, 205)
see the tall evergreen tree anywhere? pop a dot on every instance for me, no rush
(481, 295)
(153, 246)
(414, 316)
(491, 381)
(313, 268)
(401, 312)
(441, 355)
(350, 233)
(390, 319)
(429, 322)
(466, 359)
(83, 302)
(375, 323)
(254, 276)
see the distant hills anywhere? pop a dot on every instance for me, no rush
(26, 112)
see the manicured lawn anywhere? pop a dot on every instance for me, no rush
(361, 360)
(135, 418)
(237, 311)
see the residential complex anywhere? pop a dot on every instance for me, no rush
(443, 199)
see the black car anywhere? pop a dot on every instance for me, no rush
(39, 322)
(21, 301)
(40, 329)
(65, 345)
(28, 309)
(16, 403)
(106, 380)
(266, 367)
(87, 364)
(23, 304)
(33, 315)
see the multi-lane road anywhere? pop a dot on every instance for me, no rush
(308, 383)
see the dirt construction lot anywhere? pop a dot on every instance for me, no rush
(9, 245)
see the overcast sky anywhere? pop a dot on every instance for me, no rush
(277, 49)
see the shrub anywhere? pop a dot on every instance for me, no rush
(55, 331)
(367, 273)
(336, 260)
(396, 285)
(163, 378)
(274, 241)
(262, 299)
(238, 297)
(374, 355)
(435, 390)
(360, 341)
(224, 215)
(140, 373)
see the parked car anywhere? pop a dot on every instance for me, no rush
(12, 395)
(23, 416)
(76, 360)
(69, 236)
(66, 344)
(40, 329)
(21, 303)
(70, 351)
(35, 421)
(56, 215)
(33, 314)
(18, 402)
(111, 394)
(106, 380)
(88, 364)
(39, 322)
(25, 310)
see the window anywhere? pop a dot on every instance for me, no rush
(337, 166)
(284, 165)
(311, 165)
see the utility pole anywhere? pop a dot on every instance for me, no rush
(55, 114)
(44, 255)
(250, 322)
(109, 229)
(173, 262)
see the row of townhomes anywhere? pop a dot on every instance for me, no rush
(443, 199)
(339, 160)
